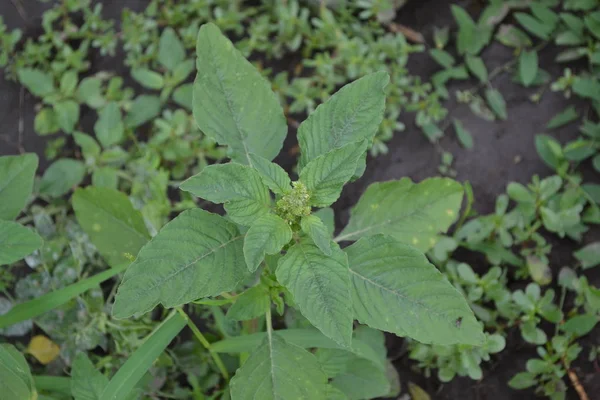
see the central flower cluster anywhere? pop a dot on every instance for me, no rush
(294, 204)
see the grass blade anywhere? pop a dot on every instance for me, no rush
(47, 302)
(141, 360)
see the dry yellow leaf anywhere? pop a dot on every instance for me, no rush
(417, 393)
(43, 349)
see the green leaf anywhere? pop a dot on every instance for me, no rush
(523, 380)
(16, 183)
(395, 289)
(411, 213)
(233, 102)
(361, 381)
(496, 102)
(251, 304)
(464, 136)
(67, 115)
(569, 114)
(477, 67)
(239, 187)
(109, 128)
(580, 325)
(143, 109)
(87, 383)
(528, 66)
(61, 177)
(40, 305)
(90, 92)
(588, 256)
(105, 177)
(39, 83)
(16, 381)
(587, 88)
(321, 288)
(89, 147)
(327, 216)
(267, 235)
(326, 175)
(116, 228)
(511, 36)
(534, 25)
(54, 384)
(442, 57)
(148, 79)
(549, 150)
(171, 52)
(471, 37)
(197, 254)
(279, 370)
(183, 95)
(353, 114)
(272, 174)
(45, 122)
(16, 242)
(68, 83)
(318, 232)
(142, 359)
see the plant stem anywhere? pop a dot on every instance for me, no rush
(215, 356)
(575, 381)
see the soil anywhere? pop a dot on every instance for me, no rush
(504, 151)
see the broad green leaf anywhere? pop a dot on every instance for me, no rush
(589, 255)
(267, 235)
(54, 384)
(326, 175)
(116, 228)
(314, 227)
(239, 187)
(512, 36)
(16, 183)
(567, 115)
(183, 96)
(109, 128)
(278, 371)
(16, 242)
(523, 380)
(351, 115)
(90, 92)
(334, 361)
(534, 25)
(587, 88)
(233, 102)
(171, 52)
(87, 383)
(580, 325)
(411, 213)
(253, 303)
(38, 306)
(106, 177)
(67, 115)
(549, 150)
(39, 83)
(496, 102)
(197, 254)
(45, 122)
(272, 174)
(89, 147)
(464, 136)
(327, 216)
(127, 377)
(16, 381)
(477, 67)
(62, 176)
(320, 285)
(361, 380)
(68, 82)
(143, 109)
(148, 78)
(396, 289)
(182, 71)
(528, 66)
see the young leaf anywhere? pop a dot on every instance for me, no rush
(321, 288)
(147, 78)
(16, 242)
(392, 279)
(171, 51)
(279, 371)
(87, 383)
(464, 136)
(197, 254)
(40, 305)
(352, 114)
(267, 235)
(534, 25)
(109, 128)
(318, 232)
(16, 183)
(250, 304)
(233, 102)
(89, 147)
(326, 175)
(411, 213)
(62, 176)
(16, 381)
(496, 102)
(67, 114)
(549, 150)
(569, 114)
(45, 122)
(360, 380)
(587, 88)
(39, 83)
(588, 256)
(143, 109)
(511, 36)
(142, 359)
(272, 174)
(528, 66)
(442, 57)
(239, 187)
(477, 67)
(116, 228)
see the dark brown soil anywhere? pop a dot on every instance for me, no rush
(504, 151)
